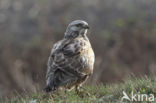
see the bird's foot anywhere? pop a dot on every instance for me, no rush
(82, 92)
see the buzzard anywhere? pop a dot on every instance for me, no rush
(71, 60)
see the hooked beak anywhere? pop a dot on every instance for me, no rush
(86, 27)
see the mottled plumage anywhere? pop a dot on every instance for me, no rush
(71, 60)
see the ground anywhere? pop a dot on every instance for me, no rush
(110, 93)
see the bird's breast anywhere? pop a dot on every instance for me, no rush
(87, 60)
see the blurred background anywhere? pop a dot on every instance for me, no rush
(123, 36)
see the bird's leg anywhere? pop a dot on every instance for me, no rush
(65, 91)
(77, 89)
(84, 90)
(81, 91)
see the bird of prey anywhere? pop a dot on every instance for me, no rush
(71, 60)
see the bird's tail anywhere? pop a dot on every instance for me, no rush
(50, 85)
(49, 89)
(60, 78)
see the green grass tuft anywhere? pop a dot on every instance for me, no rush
(111, 93)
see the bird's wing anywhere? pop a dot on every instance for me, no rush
(51, 69)
(65, 53)
(72, 48)
(64, 57)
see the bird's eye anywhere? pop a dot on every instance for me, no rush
(78, 25)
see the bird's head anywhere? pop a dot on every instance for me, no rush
(76, 28)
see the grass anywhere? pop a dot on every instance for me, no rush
(111, 93)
